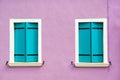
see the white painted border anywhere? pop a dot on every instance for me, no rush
(25, 64)
(11, 59)
(91, 64)
(105, 43)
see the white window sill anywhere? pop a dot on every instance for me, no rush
(91, 64)
(25, 64)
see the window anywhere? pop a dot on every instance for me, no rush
(25, 42)
(91, 43)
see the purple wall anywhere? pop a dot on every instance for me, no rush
(58, 19)
(114, 39)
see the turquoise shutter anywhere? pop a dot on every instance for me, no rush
(97, 41)
(84, 42)
(19, 42)
(31, 42)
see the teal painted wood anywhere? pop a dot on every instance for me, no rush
(19, 58)
(84, 58)
(32, 59)
(90, 42)
(26, 42)
(97, 41)
(19, 42)
(84, 25)
(97, 25)
(84, 41)
(32, 42)
(97, 59)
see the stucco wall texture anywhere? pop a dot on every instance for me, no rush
(58, 42)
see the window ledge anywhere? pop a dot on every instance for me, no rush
(91, 64)
(15, 64)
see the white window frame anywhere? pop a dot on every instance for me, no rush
(11, 59)
(105, 44)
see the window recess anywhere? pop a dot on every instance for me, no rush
(25, 42)
(91, 43)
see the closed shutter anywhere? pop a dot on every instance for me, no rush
(26, 42)
(19, 42)
(84, 42)
(97, 41)
(90, 42)
(31, 42)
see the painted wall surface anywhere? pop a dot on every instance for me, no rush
(114, 40)
(58, 43)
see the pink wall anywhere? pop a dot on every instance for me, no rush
(58, 38)
(114, 39)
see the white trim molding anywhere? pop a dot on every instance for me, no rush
(80, 64)
(105, 44)
(11, 59)
(25, 64)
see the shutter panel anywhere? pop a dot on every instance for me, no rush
(31, 42)
(84, 42)
(97, 41)
(19, 42)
